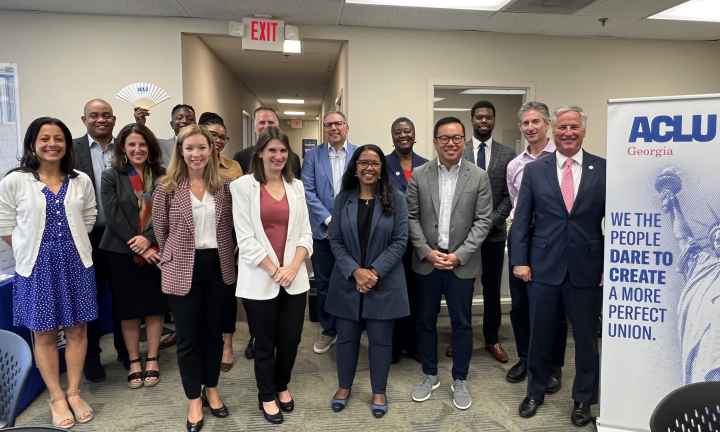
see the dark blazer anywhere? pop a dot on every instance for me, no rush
(121, 206)
(560, 243)
(500, 156)
(81, 157)
(175, 233)
(385, 249)
(244, 158)
(395, 171)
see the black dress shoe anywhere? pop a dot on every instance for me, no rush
(449, 351)
(94, 370)
(250, 349)
(194, 427)
(221, 412)
(276, 418)
(529, 407)
(286, 406)
(554, 383)
(581, 414)
(517, 373)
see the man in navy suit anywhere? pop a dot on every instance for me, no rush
(557, 246)
(322, 173)
(400, 165)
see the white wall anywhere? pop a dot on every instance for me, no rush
(310, 130)
(209, 85)
(338, 85)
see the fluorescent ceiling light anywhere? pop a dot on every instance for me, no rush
(294, 113)
(292, 46)
(476, 91)
(481, 5)
(452, 109)
(438, 99)
(693, 10)
(291, 101)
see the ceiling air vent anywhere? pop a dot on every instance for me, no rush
(554, 7)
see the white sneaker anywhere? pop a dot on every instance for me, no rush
(324, 343)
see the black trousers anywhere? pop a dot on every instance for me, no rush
(198, 324)
(458, 295)
(493, 256)
(547, 302)
(102, 282)
(380, 333)
(323, 262)
(404, 339)
(277, 326)
(229, 314)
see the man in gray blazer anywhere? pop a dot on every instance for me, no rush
(488, 154)
(449, 210)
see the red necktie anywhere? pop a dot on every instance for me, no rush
(567, 186)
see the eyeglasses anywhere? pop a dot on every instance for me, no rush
(456, 139)
(337, 124)
(219, 137)
(368, 163)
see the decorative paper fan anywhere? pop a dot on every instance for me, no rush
(142, 94)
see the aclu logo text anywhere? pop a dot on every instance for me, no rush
(676, 128)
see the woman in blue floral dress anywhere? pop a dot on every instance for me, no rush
(46, 212)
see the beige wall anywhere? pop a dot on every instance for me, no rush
(338, 84)
(392, 73)
(209, 85)
(310, 130)
(65, 60)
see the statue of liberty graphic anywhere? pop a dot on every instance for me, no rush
(699, 305)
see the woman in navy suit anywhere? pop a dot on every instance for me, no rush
(368, 235)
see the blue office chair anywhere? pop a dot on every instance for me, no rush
(693, 407)
(15, 364)
(34, 429)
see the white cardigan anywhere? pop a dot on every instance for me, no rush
(22, 215)
(253, 244)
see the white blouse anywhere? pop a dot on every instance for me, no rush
(204, 219)
(22, 215)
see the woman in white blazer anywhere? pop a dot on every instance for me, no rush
(274, 238)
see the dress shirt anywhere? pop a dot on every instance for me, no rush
(337, 165)
(101, 160)
(447, 180)
(488, 150)
(204, 220)
(576, 169)
(515, 171)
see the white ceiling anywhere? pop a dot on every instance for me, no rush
(273, 75)
(626, 18)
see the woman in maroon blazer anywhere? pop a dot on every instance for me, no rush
(192, 218)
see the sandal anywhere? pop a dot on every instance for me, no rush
(63, 420)
(135, 379)
(83, 412)
(151, 377)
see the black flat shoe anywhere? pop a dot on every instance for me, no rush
(286, 406)
(194, 427)
(581, 414)
(221, 412)
(554, 383)
(272, 418)
(529, 407)
(250, 349)
(338, 405)
(517, 373)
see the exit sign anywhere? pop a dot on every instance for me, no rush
(263, 34)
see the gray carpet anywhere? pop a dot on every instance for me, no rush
(163, 408)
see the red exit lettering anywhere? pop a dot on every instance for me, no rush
(263, 31)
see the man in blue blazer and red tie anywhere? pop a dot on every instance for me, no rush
(400, 165)
(322, 173)
(557, 246)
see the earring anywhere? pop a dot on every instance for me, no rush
(125, 159)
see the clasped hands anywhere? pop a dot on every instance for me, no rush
(365, 279)
(141, 246)
(284, 276)
(442, 261)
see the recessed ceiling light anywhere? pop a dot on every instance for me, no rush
(291, 101)
(294, 113)
(482, 5)
(493, 91)
(693, 10)
(451, 109)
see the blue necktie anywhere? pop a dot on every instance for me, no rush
(481, 155)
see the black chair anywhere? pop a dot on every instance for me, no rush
(15, 365)
(694, 407)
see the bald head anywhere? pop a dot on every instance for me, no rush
(98, 119)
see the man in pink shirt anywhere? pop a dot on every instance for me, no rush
(534, 121)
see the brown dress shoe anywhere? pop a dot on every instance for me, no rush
(498, 352)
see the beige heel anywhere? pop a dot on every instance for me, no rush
(83, 412)
(63, 420)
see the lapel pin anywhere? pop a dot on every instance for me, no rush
(590, 167)
(397, 173)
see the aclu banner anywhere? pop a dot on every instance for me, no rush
(661, 311)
